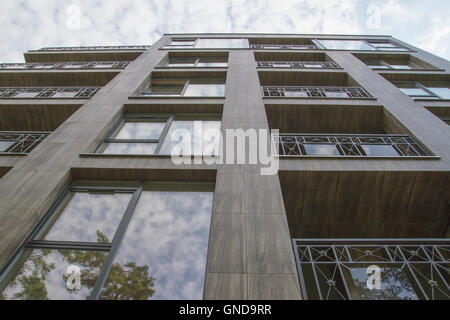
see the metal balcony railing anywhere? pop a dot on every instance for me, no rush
(49, 92)
(20, 142)
(95, 48)
(296, 145)
(285, 46)
(298, 64)
(64, 65)
(339, 269)
(315, 92)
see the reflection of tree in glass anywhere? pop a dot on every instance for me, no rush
(127, 282)
(395, 286)
(124, 282)
(31, 277)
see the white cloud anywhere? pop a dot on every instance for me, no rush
(33, 24)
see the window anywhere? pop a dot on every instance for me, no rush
(148, 134)
(198, 62)
(4, 145)
(124, 242)
(321, 149)
(358, 45)
(187, 88)
(181, 44)
(221, 43)
(207, 43)
(395, 64)
(386, 46)
(344, 45)
(425, 90)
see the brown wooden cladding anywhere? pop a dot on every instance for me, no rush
(325, 119)
(65, 56)
(57, 78)
(37, 117)
(366, 204)
(137, 174)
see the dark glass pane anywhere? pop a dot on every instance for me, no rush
(163, 253)
(45, 275)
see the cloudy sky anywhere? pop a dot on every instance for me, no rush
(32, 24)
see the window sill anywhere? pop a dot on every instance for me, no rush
(358, 157)
(317, 98)
(173, 97)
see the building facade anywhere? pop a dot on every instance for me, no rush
(92, 205)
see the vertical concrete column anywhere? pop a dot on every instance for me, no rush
(250, 253)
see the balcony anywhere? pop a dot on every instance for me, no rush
(315, 92)
(48, 92)
(20, 141)
(95, 48)
(310, 84)
(409, 269)
(298, 64)
(297, 145)
(64, 65)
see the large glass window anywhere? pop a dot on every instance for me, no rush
(220, 43)
(203, 62)
(151, 134)
(425, 90)
(207, 43)
(359, 45)
(345, 45)
(142, 242)
(186, 88)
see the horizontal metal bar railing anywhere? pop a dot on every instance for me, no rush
(285, 46)
(315, 92)
(49, 92)
(296, 145)
(94, 48)
(65, 65)
(298, 64)
(409, 268)
(20, 141)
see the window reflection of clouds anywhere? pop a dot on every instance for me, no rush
(205, 90)
(321, 149)
(210, 140)
(169, 233)
(5, 145)
(394, 283)
(130, 148)
(345, 45)
(141, 130)
(88, 213)
(379, 150)
(54, 281)
(220, 43)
